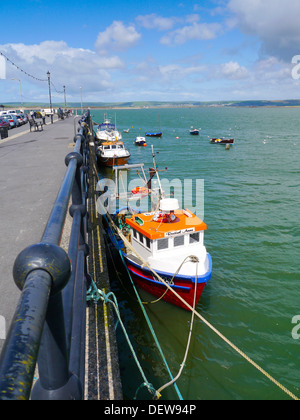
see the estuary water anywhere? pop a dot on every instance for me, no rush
(251, 208)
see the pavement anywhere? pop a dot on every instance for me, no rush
(32, 169)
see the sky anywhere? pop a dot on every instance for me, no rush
(124, 51)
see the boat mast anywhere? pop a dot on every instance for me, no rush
(156, 171)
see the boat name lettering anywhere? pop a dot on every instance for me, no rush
(179, 232)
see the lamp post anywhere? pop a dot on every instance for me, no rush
(49, 83)
(65, 97)
(20, 91)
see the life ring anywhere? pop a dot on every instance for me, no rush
(165, 218)
(160, 218)
(138, 190)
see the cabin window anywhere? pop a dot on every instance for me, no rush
(106, 147)
(179, 240)
(141, 238)
(163, 244)
(194, 238)
(113, 147)
(148, 243)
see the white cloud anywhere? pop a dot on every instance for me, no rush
(68, 66)
(274, 22)
(153, 21)
(117, 37)
(177, 72)
(196, 31)
(232, 71)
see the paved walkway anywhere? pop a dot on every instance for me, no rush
(31, 172)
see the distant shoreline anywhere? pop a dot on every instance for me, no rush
(289, 103)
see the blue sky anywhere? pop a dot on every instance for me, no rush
(118, 51)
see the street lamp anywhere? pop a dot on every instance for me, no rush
(20, 91)
(65, 97)
(49, 83)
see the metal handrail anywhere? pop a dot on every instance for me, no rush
(45, 327)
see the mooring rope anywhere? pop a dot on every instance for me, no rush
(157, 396)
(233, 346)
(208, 324)
(196, 260)
(95, 295)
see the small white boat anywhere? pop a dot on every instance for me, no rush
(194, 131)
(140, 141)
(108, 132)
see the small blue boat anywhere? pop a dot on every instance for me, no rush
(158, 134)
(154, 134)
(194, 131)
(140, 141)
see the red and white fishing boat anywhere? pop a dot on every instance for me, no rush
(170, 241)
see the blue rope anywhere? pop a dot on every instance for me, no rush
(145, 313)
(94, 294)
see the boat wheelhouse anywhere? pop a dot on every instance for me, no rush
(112, 153)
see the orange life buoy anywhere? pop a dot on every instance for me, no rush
(138, 190)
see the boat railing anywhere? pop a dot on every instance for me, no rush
(48, 327)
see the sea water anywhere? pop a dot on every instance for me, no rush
(251, 208)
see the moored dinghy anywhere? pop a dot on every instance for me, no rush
(140, 141)
(154, 134)
(221, 141)
(194, 131)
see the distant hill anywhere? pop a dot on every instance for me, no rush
(155, 104)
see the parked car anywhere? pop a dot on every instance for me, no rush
(3, 123)
(25, 117)
(21, 118)
(12, 123)
(12, 119)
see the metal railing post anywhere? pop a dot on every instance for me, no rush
(40, 329)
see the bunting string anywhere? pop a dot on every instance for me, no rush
(23, 71)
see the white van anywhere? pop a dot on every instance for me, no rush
(15, 111)
(48, 112)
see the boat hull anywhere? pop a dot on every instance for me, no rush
(153, 134)
(222, 141)
(184, 286)
(115, 161)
